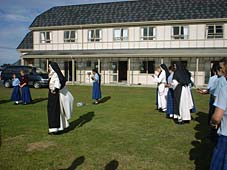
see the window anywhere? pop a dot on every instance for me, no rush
(70, 36)
(147, 67)
(88, 64)
(120, 34)
(214, 31)
(45, 37)
(94, 35)
(180, 32)
(147, 33)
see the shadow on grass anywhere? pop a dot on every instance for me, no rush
(82, 120)
(4, 101)
(112, 165)
(38, 100)
(104, 99)
(77, 162)
(203, 147)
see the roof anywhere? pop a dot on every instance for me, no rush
(167, 52)
(27, 42)
(131, 11)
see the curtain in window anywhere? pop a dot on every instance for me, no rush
(125, 34)
(117, 34)
(186, 32)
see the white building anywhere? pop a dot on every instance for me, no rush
(125, 41)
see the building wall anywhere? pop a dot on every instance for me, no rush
(197, 39)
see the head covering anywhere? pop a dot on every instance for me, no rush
(164, 67)
(181, 74)
(57, 70)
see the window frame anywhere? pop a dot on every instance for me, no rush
(45, 40)
(180, 36)
(121, 37)
(70, 39)
(147, 37)
(214, 35)
(146, 65)
(94, 38)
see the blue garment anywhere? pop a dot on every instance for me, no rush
(219, 158)
(170, 109)
(96, 91)
(221, 102)
(26, 95)
(16, 82)
(221, 81)
(16, 95)
(212, 84)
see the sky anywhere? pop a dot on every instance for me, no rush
(17, 15)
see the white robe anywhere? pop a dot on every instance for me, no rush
(162, 90)
(186, 101)
(66, 103)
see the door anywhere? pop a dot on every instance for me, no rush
(122, 70)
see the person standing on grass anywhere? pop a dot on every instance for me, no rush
(183, 101)
(26, 95)
(16, 95)
(60, 100)
(219, 120)
(170, 111)
(96, 90)
(161, 79)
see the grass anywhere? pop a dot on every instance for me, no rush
(125, 132)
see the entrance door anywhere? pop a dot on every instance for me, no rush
(122, 70)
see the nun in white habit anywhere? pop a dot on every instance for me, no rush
(60, 100)
(183, 101)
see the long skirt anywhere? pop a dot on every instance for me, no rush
(170, 102)
(26, 95)
(219, 158)
(16, 95)
(96, 91)
(53, 108)
(176, 101)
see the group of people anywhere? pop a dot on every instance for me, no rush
(60, 100)
(21, 89)
(174, 95)
(217, 119)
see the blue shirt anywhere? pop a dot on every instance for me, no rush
(221, 102)
(16, 82)
(96, 77)
(221, 82)
(212, 84)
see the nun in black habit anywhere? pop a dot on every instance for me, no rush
(183, 102)
(60, 100)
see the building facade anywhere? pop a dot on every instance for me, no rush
(126, 41)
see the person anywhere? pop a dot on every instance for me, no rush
(16, 95)
(157, 72)
(26, 95)
(60, 101)
(161, 79)
(183, 101)
(170, 111)
(96, 90)
(219, 120)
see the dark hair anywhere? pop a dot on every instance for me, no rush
(215, 68)
(171, 68)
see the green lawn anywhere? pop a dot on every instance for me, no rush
(125, 133)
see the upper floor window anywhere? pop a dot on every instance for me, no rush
(147, 33)
(120, 34)
(70, 36)
(94, 35)
(214, 31)
(180, 32)
(45, 37)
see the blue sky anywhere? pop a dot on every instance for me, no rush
(17, 15)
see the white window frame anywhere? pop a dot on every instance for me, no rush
(180, 36)
(120, 34)
(44, 35)
(94, 38)
(70, 38)
(214, 35)
(147, 37)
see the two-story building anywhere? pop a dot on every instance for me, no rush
(126, 41)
